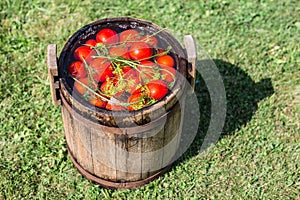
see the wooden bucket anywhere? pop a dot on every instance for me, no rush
(121, 149)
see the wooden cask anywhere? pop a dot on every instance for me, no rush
(121, 149)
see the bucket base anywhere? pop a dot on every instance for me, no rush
(115, 185)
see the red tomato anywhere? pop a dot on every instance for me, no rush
(168, 74)
(159, 51)
(165, 60)
(89, 58)
(97, 62)
(96, 101)
(139, 90)
(101, 69)
(108, 87)
(137, 101)
(79, 87)
(119, 51)
(132, 82)
(77, 69)
(110, 106)
(157, 89)
(129, 36)
(91, 42)
(116, 106)
(151, 40)
(147, 70)
(107, 36)
(140, 51)
(146, 64)
(106, 71)
(126, 69)
(82, 52)
(129, 72)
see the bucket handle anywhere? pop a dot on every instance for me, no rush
(53, 73)
(191, 50)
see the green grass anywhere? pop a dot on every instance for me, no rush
(256, 47)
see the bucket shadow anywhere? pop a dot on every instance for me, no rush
(242, 97)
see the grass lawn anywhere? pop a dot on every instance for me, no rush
(256, 47)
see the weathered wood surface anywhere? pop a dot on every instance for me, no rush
(122, 154)
(53, 73)
(191, 50)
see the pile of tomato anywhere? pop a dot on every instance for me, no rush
(124, 70)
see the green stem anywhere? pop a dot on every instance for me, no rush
(90, 76)
(173, 76)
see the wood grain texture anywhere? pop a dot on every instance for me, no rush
(82, 138)
(171, 135)
(191, 50)
(53, 73)
(122, 154)
(69, 132)
(104, 154)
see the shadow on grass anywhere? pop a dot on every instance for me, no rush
(242, 97)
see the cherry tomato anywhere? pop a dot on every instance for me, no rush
(116, 106)
(79, 87)
(126, 69)
(108, 87)
(139, 90)
(91, 42)
(137, 72)
(119, 51)
(129, 36)
(97, 101)
(147, 71)
(77, 69)
(140, 51)
(151, 40)
(129, 72)
(110, 106)
(82, 52)
(107, 36)
(146, 64)
(137, 101)
(90, 57)
(106, 71)
(168, 74)
(132, 80)
(97, 62)
(101, 69)
(165, 60)
(160, 52)
(157, 89)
